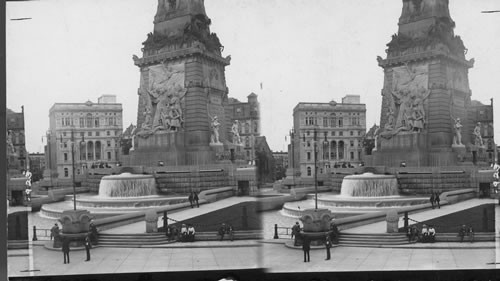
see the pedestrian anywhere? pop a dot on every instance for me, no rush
(432, 234)
(306, 247)
(53, 231)
(184, 233)
(432, 200)
(191, 233)
(409, 233)
(425, 234)
(65, 249)
(165, 223)
(436, 198)
(470, 232)
(190, 198)
(222, 231)
(88, 246)
(461, 233)
(334, 233)
(94, 232)
(231, 232)
(295, 233)
(328, 245)
(196, 199)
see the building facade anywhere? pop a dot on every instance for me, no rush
(36, 165)
(16, 145)
(93, 128)
(281, 160)
(247, 114)
(336, 130)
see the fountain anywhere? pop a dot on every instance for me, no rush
(127, 185)
(359, 194)
(369, 185)
(118, 194)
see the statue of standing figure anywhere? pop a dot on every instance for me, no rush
(215, 130)
(457, 139)
(477, 135)
(236, 133)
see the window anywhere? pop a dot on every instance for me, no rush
(341, 134)
(352, 155)
(109, 155)
(65, 144)
(65, 156)
(359, 133)
(108, 143)
(309, 171)
(308, 144)
(64, 134)
(308, 133)
(325, 122)
(352, 143)
(96, 122)
(352, 133)
(90, 134)
(82, 134)
(82, 122)
(89, 120)
(108, 133)
(308, 155)
(333, 122)
(66, 172)
(341, 122)
(97, 134)
(333, 134)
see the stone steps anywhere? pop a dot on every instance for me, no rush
(379, 239)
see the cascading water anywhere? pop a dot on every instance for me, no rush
(127, 185)
(369, 185)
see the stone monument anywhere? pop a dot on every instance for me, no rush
(425, 117)
(182, 94)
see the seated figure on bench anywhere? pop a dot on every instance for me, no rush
(190, 234)
(184, 233)
(432, 234)
(425, 234)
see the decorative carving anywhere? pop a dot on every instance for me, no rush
(162, 99)
(457, 138)
(10, 146)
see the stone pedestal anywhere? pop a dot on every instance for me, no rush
(392, 220)
(316, 224)
(151, 221)
(75, 221)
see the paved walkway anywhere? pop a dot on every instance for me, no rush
(381, 227)
(123, 260)
(140, 227)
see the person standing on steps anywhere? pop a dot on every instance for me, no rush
(222, 231)
(196, 199)
(436, 198)
(328, 246)
(470, 232)
(432, 200)
(88, 245)
(462, 232)
(65, 249)
(190, 198)
(306, 247)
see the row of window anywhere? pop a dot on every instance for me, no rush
(334, 133)
(333, 121)
(90, 121)
(333, 154)
(90, 134)
(90, 156)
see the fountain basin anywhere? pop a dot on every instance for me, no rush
(127, 185)
(369, 185)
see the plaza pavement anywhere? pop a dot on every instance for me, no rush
(419, 256)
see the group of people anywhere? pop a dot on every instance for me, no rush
(226, 229)
(187, 233)
(193, 198)
(426, 235)
(90, 238)
(331, 237)
(434, 199)
(466, 231)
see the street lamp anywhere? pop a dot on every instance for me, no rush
(315, 170)
(73, 164)
(292, 135)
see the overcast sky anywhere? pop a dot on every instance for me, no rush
(300, 50)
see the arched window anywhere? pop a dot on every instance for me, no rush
(333, 150)
(90, 150)
(89, 120)
(309, 171)
(325, 150)
(98, 150)
(341, 149)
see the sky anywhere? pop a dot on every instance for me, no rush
(299, 50)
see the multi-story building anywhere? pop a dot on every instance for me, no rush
(89, 131)
(16, 146)
(281, 160)
(482, 114)
(247, 114)
(336, 130)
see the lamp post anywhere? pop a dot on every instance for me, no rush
(292, 135)
(73, 166)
